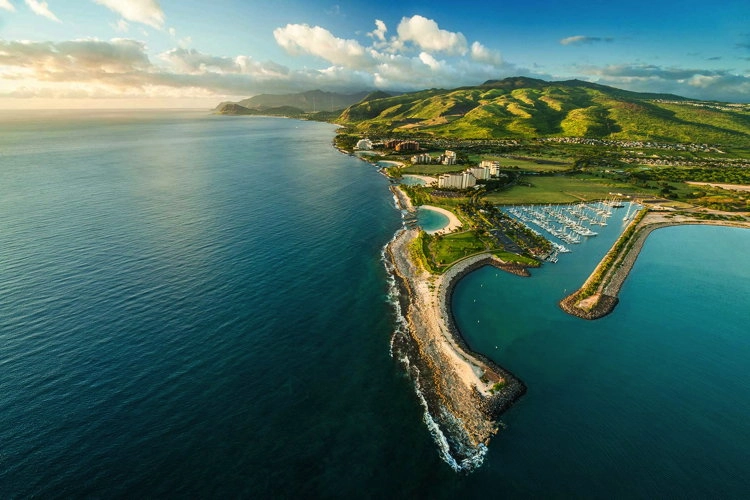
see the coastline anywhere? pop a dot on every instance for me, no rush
(605, 298)
(453, 222)
(425, 178)
(463, 392)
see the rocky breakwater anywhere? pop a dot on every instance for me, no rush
(462, 392)
(597, 297)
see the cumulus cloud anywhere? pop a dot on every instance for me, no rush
(41, 8)
(379, 32)
(301, 38)
(5, 4)
(81, 60)
(122, 68)
(688, 82)
(140, 11)
(426, 35)
(482, 54)
(581, 40)
(416, 58)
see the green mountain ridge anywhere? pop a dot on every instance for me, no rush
(234, 109)
(308, 102)
(523, 107)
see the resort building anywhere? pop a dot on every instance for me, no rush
(494, 167)
(448, 158)
(407, 146)
(423, 159)
(480, 173)
(461, 180)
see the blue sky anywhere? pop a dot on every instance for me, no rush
(191, 53)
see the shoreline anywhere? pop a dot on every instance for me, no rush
(453, 222)
(463, 392)
(605, 298)
(425, 178)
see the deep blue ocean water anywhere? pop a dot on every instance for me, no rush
(193, 305)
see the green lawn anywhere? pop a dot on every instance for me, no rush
(513, 257)
(452, 247)
(559, 189)
(530, 165)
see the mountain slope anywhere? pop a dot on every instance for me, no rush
(234, 109)
(312, 101)
(527, 108)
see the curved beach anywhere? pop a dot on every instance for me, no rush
(424, 178)
(453, 222)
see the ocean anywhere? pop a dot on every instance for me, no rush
(196, 305)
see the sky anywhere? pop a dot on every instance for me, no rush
(197, 53)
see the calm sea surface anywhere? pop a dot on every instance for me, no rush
(194, 305)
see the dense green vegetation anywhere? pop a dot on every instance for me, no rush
(527, 108)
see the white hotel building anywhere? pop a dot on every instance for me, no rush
(462, 180)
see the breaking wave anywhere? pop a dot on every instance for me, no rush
(446, 430)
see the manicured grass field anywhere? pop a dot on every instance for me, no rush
(559, 189)
(529, 165)
(452, 247)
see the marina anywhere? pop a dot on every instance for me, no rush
(565, 225)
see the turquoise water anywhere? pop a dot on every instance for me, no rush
(196, 306)
(650, 401)
(410, 180)
(431, 220)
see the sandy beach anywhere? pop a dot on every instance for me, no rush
(425, 178)
(453, 222)
(459, 385)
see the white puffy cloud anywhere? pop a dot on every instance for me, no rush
(688, 82)
(73, 60)
(379, 32)
(430, 61)
(124, 67)
(301, 38)
(482, 54)
(426, 35)
(40, 8)
(140, 11)
(5, 4)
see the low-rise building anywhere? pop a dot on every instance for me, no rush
(407, 146)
